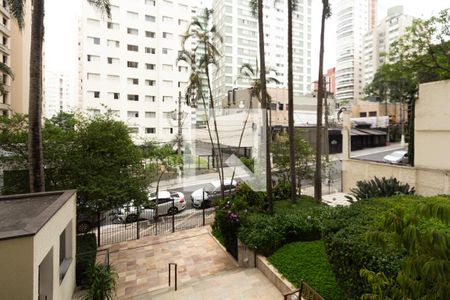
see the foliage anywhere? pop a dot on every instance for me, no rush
(248, 162)
(281, 191)
(348, 249)
(307, 261)
(102, 280)
(380, 188)
(268, 233)
(86, 253)
(227, 223)
(424, 235)
(304, 159)
(304, 203)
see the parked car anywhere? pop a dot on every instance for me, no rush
(168, 203)
(211, 191)
(87, 220)
(397, 157)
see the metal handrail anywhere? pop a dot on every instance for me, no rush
(176, 272)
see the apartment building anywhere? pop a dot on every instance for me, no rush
(59, 94)
(128, 64)
(239, 30)
(5, 34)
(378, 41)
(353, 19)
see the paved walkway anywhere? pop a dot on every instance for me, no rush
(204, 269)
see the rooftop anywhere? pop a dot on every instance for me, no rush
(25, 214)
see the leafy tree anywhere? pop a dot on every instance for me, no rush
(257, 10)
(326, 13)
(304, 160)
(425, 272)
(35, 147)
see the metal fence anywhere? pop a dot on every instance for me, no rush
(111, 230)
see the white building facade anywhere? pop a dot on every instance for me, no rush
(128, 64)
(353, 19)
(377, 42)
(5, 33)
(59, 93)
(239, 30)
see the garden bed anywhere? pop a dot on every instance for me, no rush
(307, 261)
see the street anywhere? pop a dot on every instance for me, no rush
(377, 155)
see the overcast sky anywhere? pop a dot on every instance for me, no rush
(61, 22)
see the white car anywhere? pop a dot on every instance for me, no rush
(397, 157)
(211, 191)
(168, 203)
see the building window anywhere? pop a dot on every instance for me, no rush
(133, 97)
(94, 40)
(133, 130)
(150, 82)
(111, 25)
(363, 114)
(149, 34)
(372, 113)
(150, 130)
(132, 15)
(149, 98)
(150, 114)
(149, 18)
(150, 66)
(65, 250)
(133, 114)
(182, 69)
(167, 68)
(167, 35)
(134, 81)
(167, 98)
(132, 64)
(168, 83)
(150, 2)
(134, 48)
(167, 20)
(132, 31)
(96, 94)
(166, 50)
(150, 50)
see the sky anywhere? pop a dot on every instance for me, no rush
(61, 36)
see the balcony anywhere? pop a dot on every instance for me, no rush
(5, 30)
(4, 106)
(4, 49)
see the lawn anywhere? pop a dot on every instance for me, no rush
(307, 261)
(286, 206)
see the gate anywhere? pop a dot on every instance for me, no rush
(112, 230)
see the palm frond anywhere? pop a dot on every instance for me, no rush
(6, 70)
(103, 5)
(16, 9)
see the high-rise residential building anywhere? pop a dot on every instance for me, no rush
(353, 19)
(5, 33)
(20, 62)
(239, 30)
(128, 64)
(59, 93)
(378, 41)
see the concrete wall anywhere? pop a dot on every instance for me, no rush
(394, 109)
(428, 182)
(48, 238)
(432, 126)
(16, 261)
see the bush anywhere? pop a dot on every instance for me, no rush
(268, 233)
(86, 254)
(380, 188)
(102, 282)
(307, 261)
(227, 223)
(347, 246)
(282, 190)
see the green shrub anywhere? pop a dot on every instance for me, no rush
(282, 190)
(86, 254)
(380, 188)
(287, 207)
(102, 282)
(348, 249)
(308, 261)
(227, 223)
(268, 233)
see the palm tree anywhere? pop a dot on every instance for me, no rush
(35, 151)
(292, 6)
(205, 55)
(6, 71)
(326, 13)
(256, 7)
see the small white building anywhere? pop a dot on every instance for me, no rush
(37, 246)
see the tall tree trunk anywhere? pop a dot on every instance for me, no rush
(411, 129)
(264, 103)
(35, 151)
(291, 108)
(318, 173)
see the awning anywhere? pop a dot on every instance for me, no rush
(357, 132)
(373, 131)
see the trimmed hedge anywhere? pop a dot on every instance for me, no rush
(308, 261)
(347, 247)
(268, 233)
(86, 254)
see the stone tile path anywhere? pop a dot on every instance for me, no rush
(237, 284)
(142, 265)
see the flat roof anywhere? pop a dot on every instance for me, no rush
(25, 214)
